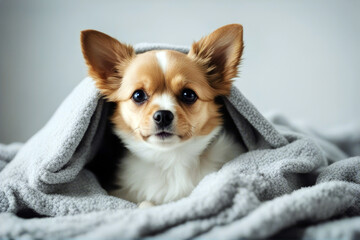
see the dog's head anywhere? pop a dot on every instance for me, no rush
(164, 97)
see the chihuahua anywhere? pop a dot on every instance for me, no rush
(166, 111)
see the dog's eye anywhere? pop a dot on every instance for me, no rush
(188, 96)
(139, 96)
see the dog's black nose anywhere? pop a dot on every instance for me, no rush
(163, 118)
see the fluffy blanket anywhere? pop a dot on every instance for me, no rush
(291, 183)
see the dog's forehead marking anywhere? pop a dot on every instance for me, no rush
(162, 60)
(165, 102)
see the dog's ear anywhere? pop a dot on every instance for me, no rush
(219, 54)
(106, 58)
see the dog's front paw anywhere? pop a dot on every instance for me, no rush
(146, 204)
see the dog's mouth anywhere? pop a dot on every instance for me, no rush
(164, 135)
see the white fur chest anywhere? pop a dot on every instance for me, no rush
(165, 175)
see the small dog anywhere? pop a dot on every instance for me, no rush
(166, 113)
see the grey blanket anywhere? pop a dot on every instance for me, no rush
(293, 182)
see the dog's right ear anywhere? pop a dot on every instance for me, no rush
(106, 58)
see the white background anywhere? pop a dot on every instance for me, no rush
(301, 58)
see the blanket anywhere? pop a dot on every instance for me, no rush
(292, 182)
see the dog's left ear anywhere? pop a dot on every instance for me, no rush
(219, 54)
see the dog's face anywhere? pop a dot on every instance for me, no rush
(164, 97)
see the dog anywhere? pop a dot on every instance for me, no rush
(166, 111)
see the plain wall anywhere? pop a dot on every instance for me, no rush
(301, 58)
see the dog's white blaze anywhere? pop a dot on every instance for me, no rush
(165, 102)
(162, 60)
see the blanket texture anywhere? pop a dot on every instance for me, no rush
(293, 182)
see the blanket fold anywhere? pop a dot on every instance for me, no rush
(290, 175)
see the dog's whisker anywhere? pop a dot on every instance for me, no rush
(138, 128)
